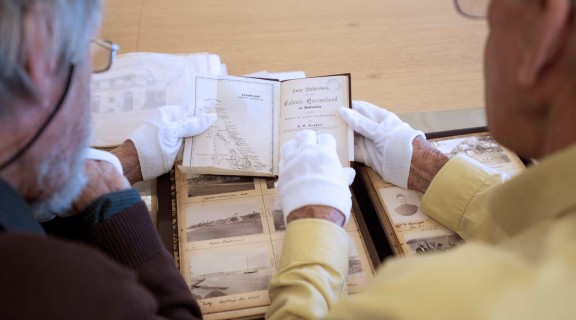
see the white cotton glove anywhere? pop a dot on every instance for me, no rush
(158, 140)
(311, 174)
(383, 142)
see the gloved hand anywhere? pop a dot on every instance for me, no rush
(311, 174)
(158, 140)
(383, 141)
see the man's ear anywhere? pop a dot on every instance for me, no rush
(550, 25)
(40, 64)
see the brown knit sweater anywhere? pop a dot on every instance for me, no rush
(115, 269)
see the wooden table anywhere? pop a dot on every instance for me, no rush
(406, 55)
(410, 56)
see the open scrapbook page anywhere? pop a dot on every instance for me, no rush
(230, 233)
(407, 228)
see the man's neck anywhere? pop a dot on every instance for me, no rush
(559, 88)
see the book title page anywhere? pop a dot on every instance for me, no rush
(314, 103)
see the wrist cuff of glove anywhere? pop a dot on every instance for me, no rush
(398, 156)
(149, 153)
(316, 193)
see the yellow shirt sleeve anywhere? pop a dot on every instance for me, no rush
(527, 275)
(311, 276)
(458, 198)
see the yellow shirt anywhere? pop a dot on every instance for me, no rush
(519, 261)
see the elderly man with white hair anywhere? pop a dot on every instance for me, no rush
(76, 242)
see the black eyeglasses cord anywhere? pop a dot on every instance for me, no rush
(38, 133)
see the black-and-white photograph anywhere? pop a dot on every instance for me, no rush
(404, 208)
(223, 220)
(441, 242)
(482, 148)
(205, 185)
(278, 218)
(402, 205)
(270, 183)
(216, 273)
(277, 215)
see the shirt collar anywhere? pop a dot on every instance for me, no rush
(15, 215)
(545, 191)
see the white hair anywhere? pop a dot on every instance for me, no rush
(70, 25)
(56, 164)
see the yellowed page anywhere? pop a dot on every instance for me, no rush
(242, 140)
(416, 232)
(314, 103)
(231, 231)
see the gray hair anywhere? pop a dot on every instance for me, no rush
(70, 25)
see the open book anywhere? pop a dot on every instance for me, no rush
(256, 116)
(229, 238)
(408, 230)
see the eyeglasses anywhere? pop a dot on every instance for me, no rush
(474, 9)
(103, 53)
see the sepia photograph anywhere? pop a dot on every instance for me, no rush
(209, 221)
(434, 243)
(273, 207)
(270, 183)
(402, 205)
(267, 185)
(217, 273)
(482, 148)
(205, 185)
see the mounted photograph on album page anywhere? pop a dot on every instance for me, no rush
(228, 239)
(256, 116)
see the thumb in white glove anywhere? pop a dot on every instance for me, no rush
(383, 141)
(311, 174)
(159, 139)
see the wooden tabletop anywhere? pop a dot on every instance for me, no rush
(405, 55)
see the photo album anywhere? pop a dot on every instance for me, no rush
(408, 230)
(229, 239)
